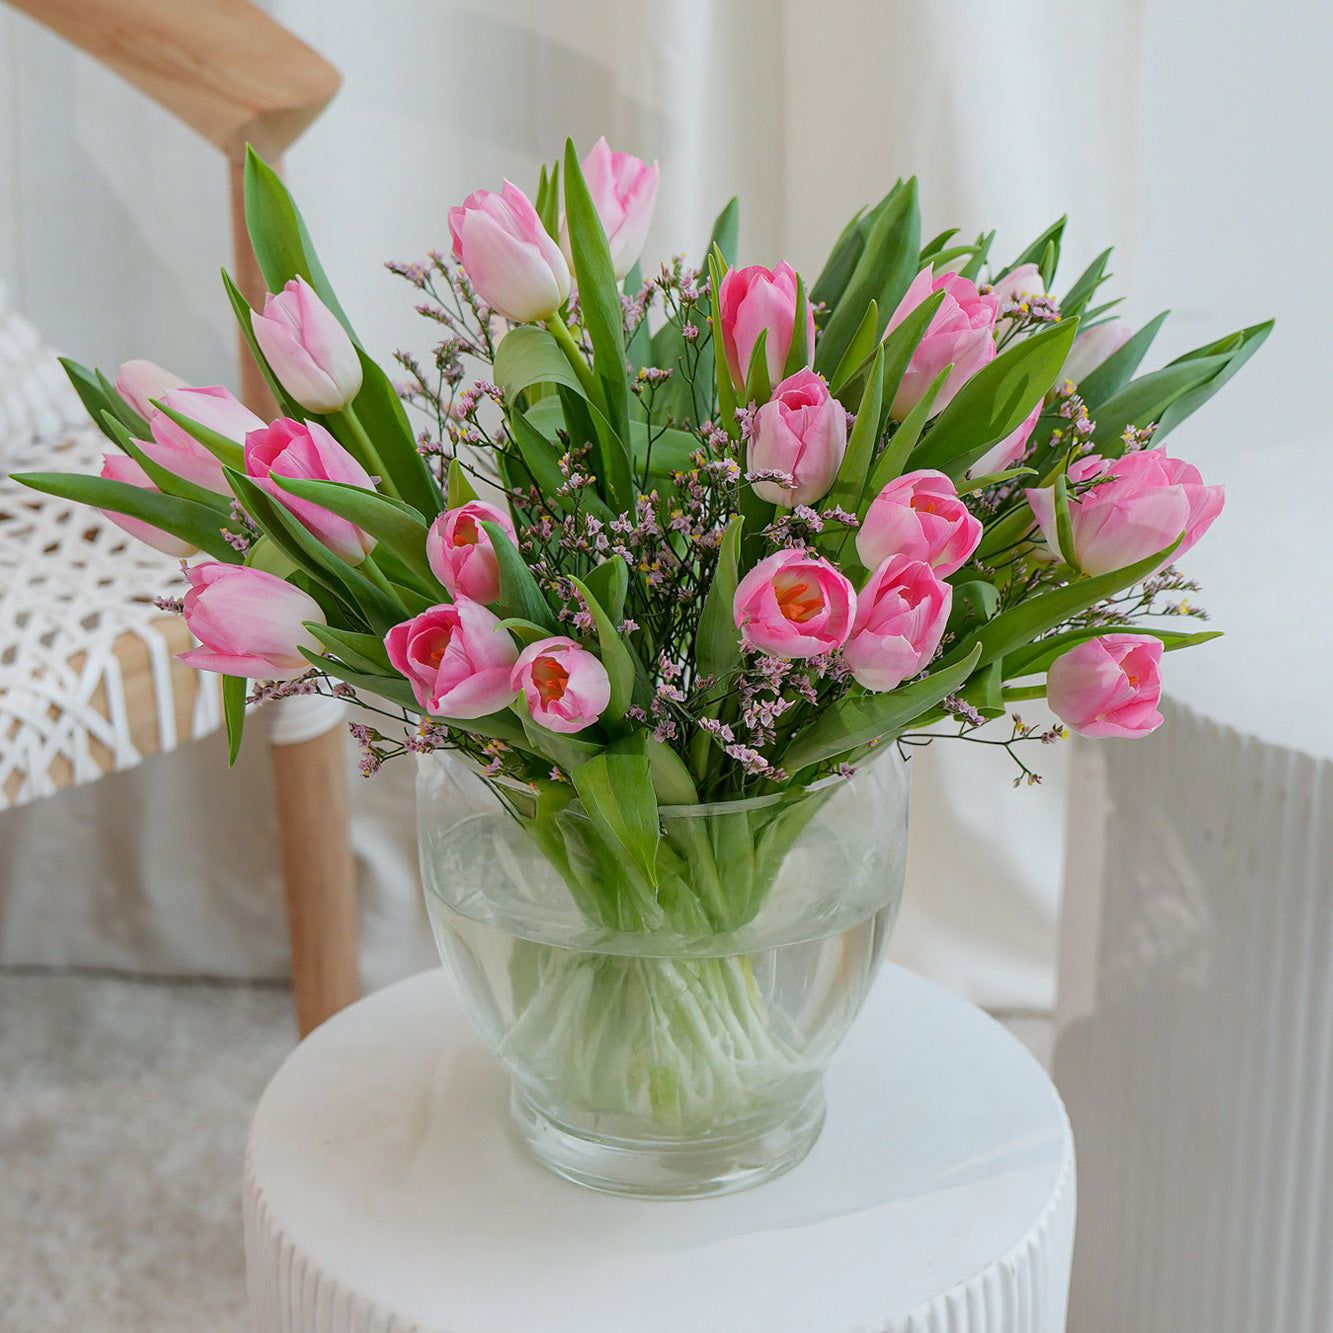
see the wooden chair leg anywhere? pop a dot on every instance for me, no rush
(310, 781)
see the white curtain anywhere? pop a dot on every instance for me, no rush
(113, 224)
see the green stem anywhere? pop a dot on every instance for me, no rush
(377, 576)
(559, 330)
(372, 457)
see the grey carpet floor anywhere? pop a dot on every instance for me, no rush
(123, 1111)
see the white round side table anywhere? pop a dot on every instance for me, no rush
(385, 1191)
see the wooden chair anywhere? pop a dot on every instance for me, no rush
(236, 76)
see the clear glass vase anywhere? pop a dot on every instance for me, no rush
(664, 1039)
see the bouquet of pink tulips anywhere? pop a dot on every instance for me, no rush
(707, 534)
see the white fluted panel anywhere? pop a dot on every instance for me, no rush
(1195, 1049)
(385, 1192)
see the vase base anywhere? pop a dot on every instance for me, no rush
(662, 1169)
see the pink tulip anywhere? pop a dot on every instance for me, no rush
(514, 265)
(624, 192)
(792, 604)
(1093, 346)
(461, 553)
(213, 407)
(1010, 450)
(120, 467)
(1019, 287)
(249, 622)
(961, 334)
(139, 382)
(457, 659)
(307, 348)
(757, 298)
(1108, 686)
(801, 432)
(900, 618)
(919, 515)
(293, 449)
(1146, 501)
(566, 687)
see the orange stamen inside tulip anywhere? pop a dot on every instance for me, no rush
(798, 598)
(550, 678)
(926, 502)
(439, 645)
(465, 532)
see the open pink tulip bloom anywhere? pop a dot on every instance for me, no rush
(514, 265)
(900, 618)
(754, 299)
(1108, 686)
(249, 622)
(566, 687)
(801, 432)
(961, 333)
(296, 449)
(624, 193)
(307, 348)
(121, 467)
(460, 551)
(792, 604)
(457, 659)
(919, 515)
(1145, 503)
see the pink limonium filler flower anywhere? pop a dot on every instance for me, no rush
(802, 432)
(792, 604)
(1108, 686)
(305, 449)
(1145, 503)
(624, 193)
(1007, 453)
(754, 299)
(1093, 346)
(214, 407)
(461, 553)
(457, 659)
(961, 334)
(565, 686)
(138, 382)
(250, 623)
(900, 618)
(307, 348)
(919, 515)
(514, 265)
(120, 467)
(1020, 283)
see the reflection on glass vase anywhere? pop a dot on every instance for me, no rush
(665, 1035)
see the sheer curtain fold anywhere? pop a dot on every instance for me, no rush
(113, 224)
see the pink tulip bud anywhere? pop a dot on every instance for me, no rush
(800, 432)
(249, 622)
(307, 348)
(792, 604)
(514, 265)
(295, 449)
(1108, 686)
(461, 553)
(213, 407)
(139, 382)
(1144, 501)
(120, 467)
(757, 298)
(1010, 450)
(1093, 346)
(1019, 287)
(900, 618)
(457, 659)
(919, 515)
(624, 192)
(961, 334)
(565, 686)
